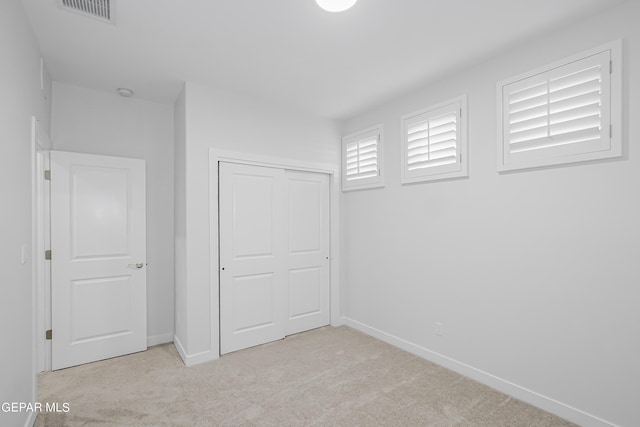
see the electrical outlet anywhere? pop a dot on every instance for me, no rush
(439, 329)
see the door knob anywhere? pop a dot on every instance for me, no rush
(138, 265)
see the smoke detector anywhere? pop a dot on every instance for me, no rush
(102, 10)
(124, 92)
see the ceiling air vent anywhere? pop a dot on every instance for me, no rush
(98, 9)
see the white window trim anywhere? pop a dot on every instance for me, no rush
(373, 182)
(437, 174)
(615, 150)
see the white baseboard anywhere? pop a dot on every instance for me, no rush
(193, 359)
(159, 339)
(531, 397)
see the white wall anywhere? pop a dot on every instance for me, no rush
(21, 98)
(180, 218)
(534, 275)
(216, 118)
(93, 122)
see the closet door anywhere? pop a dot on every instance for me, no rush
(252, 255)
(307, 260)
(274, 254)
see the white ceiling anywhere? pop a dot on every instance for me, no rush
(289, 51)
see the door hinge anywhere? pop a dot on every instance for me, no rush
(47, 255)
(47, 175)
(610, 67)
(48, 334)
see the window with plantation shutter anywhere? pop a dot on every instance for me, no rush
(566, 112)
(434, 142)
(362, 159)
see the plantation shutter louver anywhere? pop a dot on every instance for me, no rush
(362, 159)
(432, 143)
(562, 112)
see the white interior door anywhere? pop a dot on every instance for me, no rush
(307, 261)
(98, 244)
(252, 226)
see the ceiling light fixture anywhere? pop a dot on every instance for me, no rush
(123, 91)
(336, 5)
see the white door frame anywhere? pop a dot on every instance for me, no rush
(41, 273)
(216, 156)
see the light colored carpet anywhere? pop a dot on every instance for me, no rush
(325, 377)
